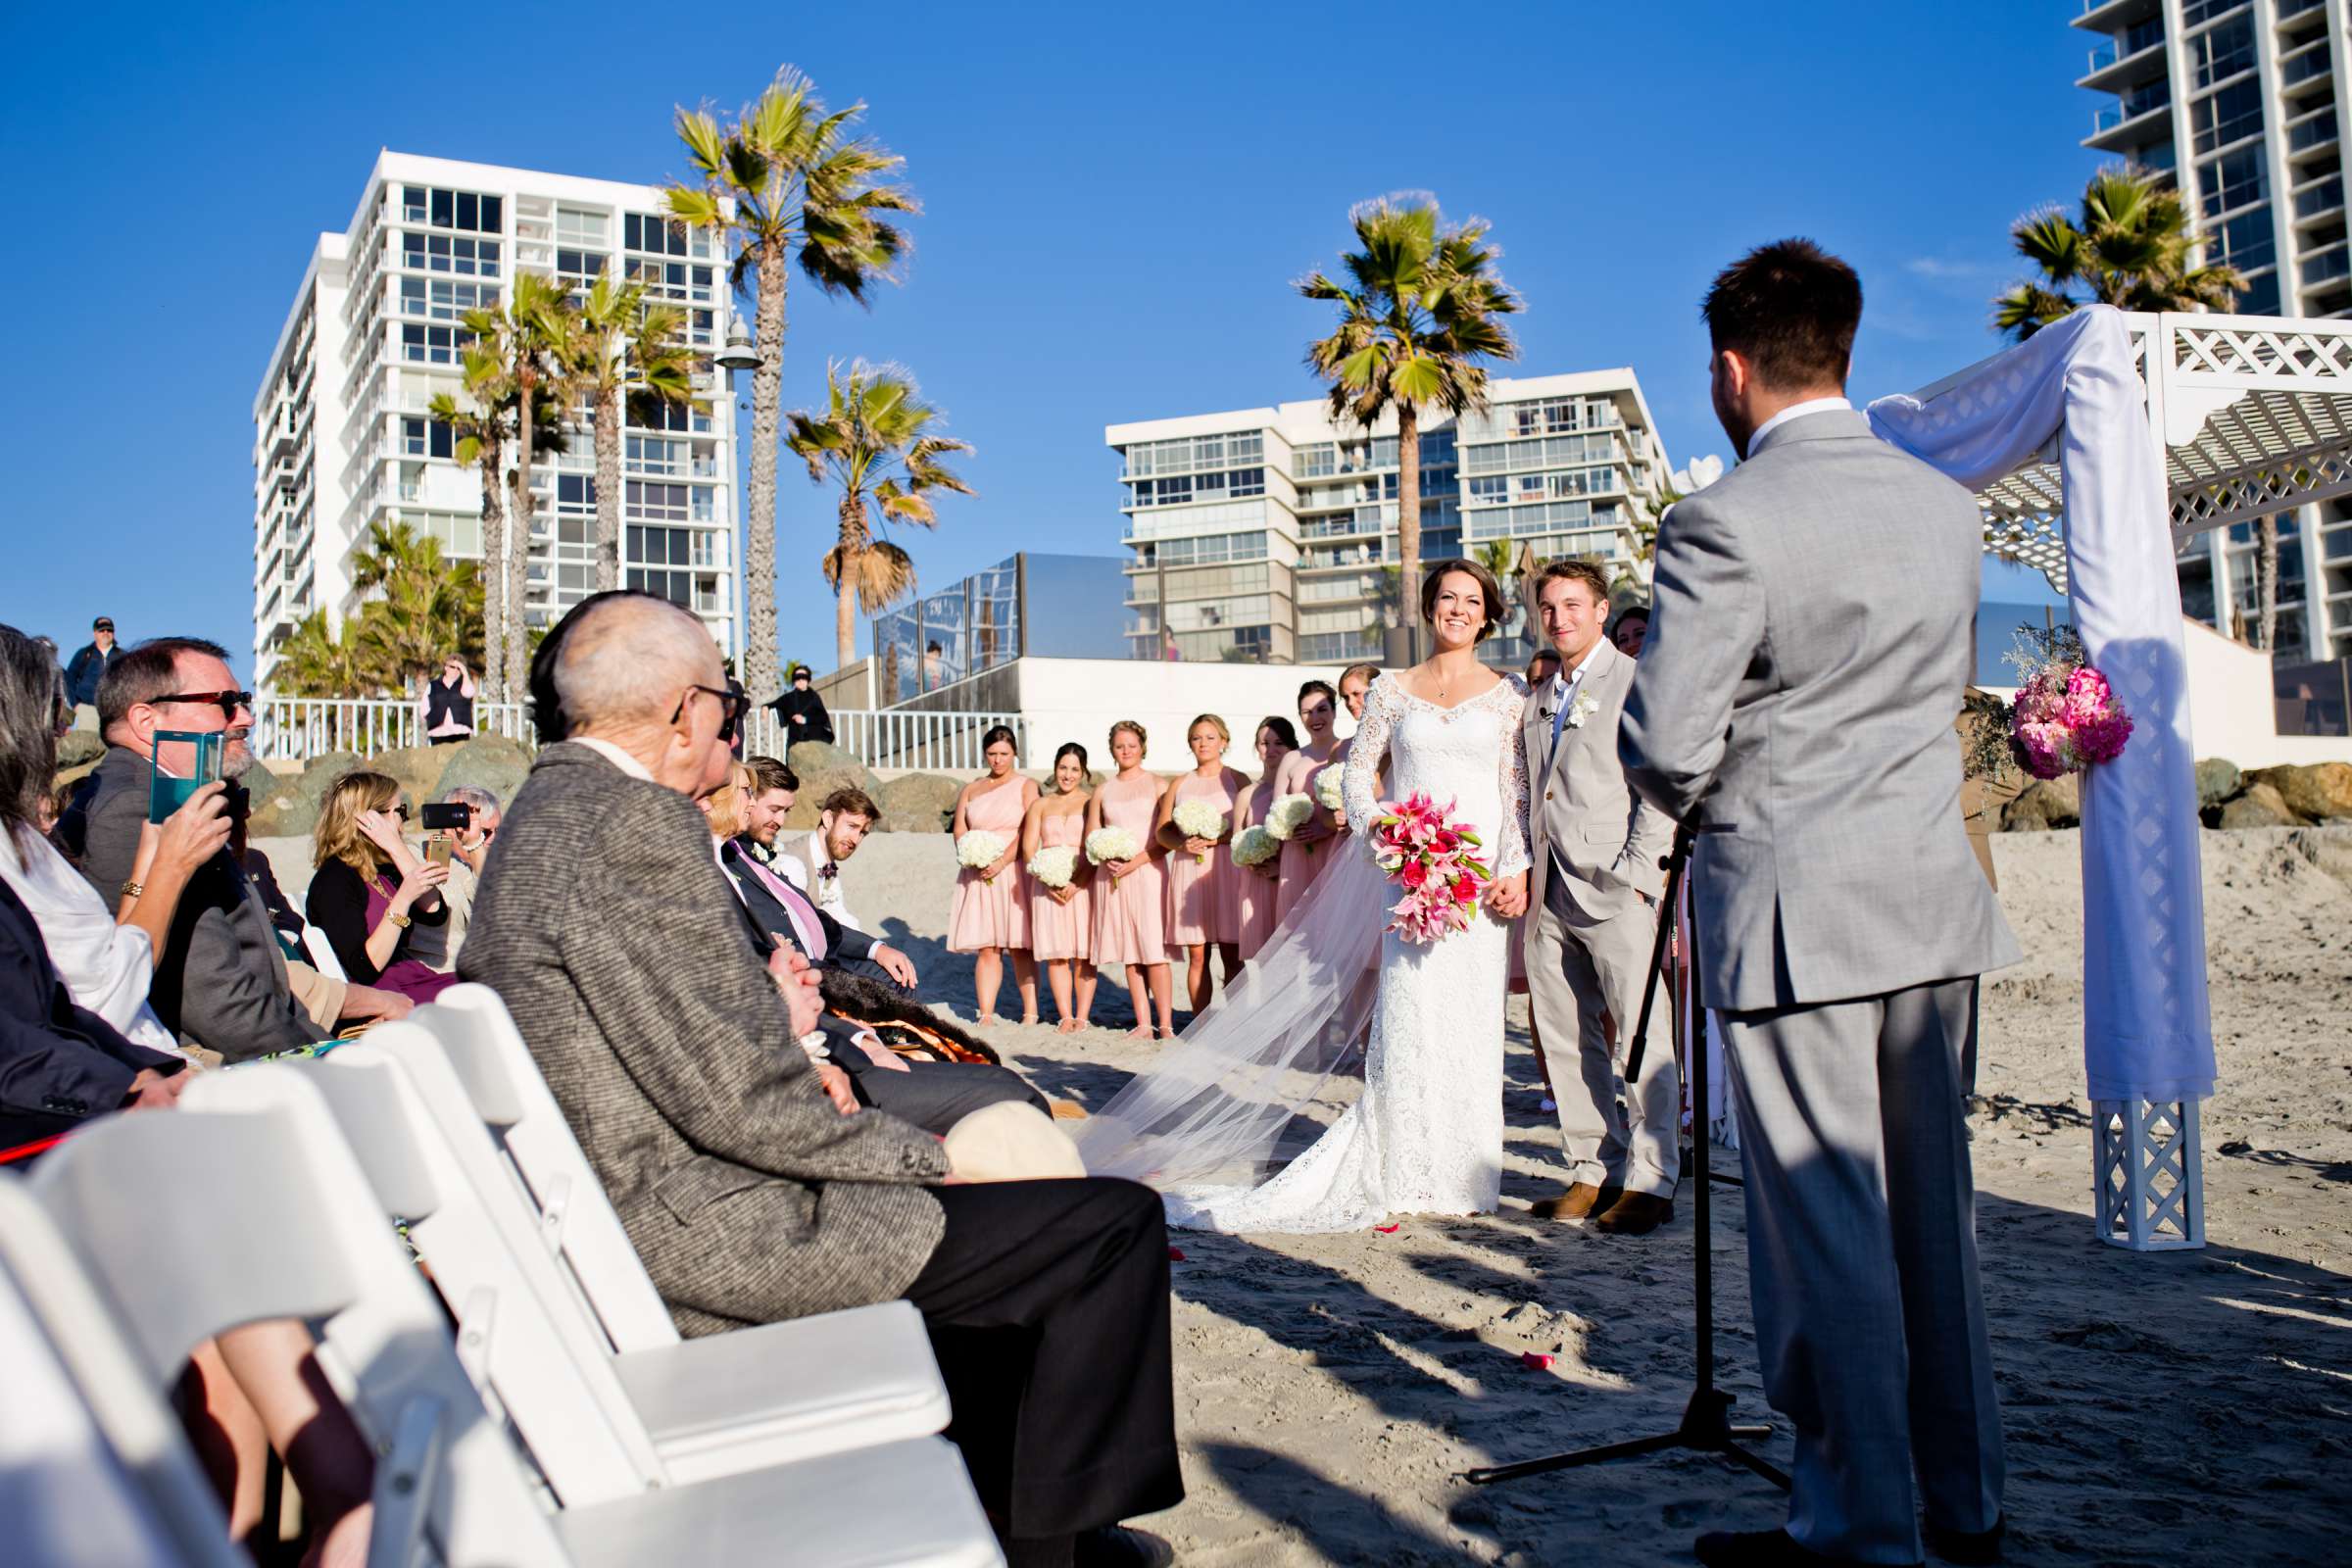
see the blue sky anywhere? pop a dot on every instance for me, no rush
(1117, 200)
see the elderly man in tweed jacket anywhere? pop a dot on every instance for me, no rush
(751, 1195)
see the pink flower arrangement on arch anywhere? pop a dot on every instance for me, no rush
(2066, 718)
(1429, 855)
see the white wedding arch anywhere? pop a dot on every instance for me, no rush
(2095, 448)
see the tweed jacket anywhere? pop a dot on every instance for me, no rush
(1581, 809)
(1812, 629)
(605, 925)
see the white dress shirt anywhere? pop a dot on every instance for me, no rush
(794, 859)
(1794, 410)
(616, 756)
(1564, 686)
(104, 968)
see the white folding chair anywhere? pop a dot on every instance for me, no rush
(94, 1471)
(323, 953)
(305, 1238)
(868, 1369)
(718, 1405)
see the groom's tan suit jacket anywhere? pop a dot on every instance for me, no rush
(1580, 809)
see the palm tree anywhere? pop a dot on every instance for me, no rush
(1421, 314)
(873, 438)
(621, 346)
(786, 179)
(480, 426)
(419, 609)
(312, 661)
(2130, 247)
(541, 322)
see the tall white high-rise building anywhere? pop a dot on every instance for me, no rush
(2242, 102)
(1263, 533)
(342, 438)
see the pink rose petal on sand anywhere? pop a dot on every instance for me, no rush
(1537, 1360)
(1386, 1229)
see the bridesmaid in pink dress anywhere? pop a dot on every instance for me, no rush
(1255, 883)
(1204, 893)
(1306, 852)
(1129, 894)
(1062, 921)
(990, 916)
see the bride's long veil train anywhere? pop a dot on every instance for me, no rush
(1214, 1110)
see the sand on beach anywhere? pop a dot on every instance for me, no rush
(2160, 1408)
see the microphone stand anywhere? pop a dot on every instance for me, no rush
(1706, 1424)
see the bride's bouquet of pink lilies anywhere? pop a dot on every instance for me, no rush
(1430, 855)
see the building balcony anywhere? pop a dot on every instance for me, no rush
(2114, 16)
(2117, 72)
(2315, 203)
(2326, 266)
(2139, 118)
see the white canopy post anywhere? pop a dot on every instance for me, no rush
(2074, 391)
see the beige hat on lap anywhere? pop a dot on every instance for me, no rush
(1010, 1141)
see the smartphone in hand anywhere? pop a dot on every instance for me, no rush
(183, 762)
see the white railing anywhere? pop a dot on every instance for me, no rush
(937, 741)
(299, 728)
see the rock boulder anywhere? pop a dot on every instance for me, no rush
(487, 763)
(2261, 806)
(293, 810)
(417, 767)
(2320, 791)
(2218, 779)
(2045, 803)
(919, 803)
(821, 771)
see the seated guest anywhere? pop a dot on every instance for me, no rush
(1631, 631)
(369, 886)
(932, 1095)
(751, 1198)
(221, 978)
(813, 860)
(470, 846)
(776, 789)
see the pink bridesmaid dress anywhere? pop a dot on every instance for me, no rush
(1254, 895)
(1128, 927)
(992, 915)
(1302, 864)
(1203, 896)
(1062, 930)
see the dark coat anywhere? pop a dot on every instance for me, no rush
(808, 706)
(87, 668)
(606, 926)
(59, 1064)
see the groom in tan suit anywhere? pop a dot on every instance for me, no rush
(1592, 921)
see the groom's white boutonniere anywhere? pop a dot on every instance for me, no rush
(1584, 708)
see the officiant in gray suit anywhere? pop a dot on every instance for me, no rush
(1812, 633)
(1592, 921)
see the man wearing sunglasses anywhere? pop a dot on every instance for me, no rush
(222, 980)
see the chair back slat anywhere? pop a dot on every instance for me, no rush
(305, 1239)
(520, 1330)
(511, 1096)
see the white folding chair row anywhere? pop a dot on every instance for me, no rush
(683, 1412)
(302, 1235)
(323, 953)
(94, 1470)
(841, 1378)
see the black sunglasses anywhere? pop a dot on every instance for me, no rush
(732, 707)
(227, 701)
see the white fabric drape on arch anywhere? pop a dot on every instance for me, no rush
(2148, 1031)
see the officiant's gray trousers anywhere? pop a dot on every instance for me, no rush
(1862, 1263)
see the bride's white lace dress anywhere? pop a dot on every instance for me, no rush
(1426, 1136)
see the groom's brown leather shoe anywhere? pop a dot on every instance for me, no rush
(1634, 1214)
(1582, 1198)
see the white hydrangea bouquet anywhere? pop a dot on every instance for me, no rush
(1107, 844)
(1054, 865)
(1198, 819)
(1329, 787)
(1288, 815)
(979, 850)
(1253, 846)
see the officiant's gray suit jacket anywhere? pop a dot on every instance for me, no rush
(1581, 809)
(1811, 634)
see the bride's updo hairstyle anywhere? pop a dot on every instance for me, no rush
(1488, 590)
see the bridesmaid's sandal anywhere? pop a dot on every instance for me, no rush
(1067, 1026)
(1142, 1031)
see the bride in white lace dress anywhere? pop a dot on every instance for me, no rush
(1425, 1134)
